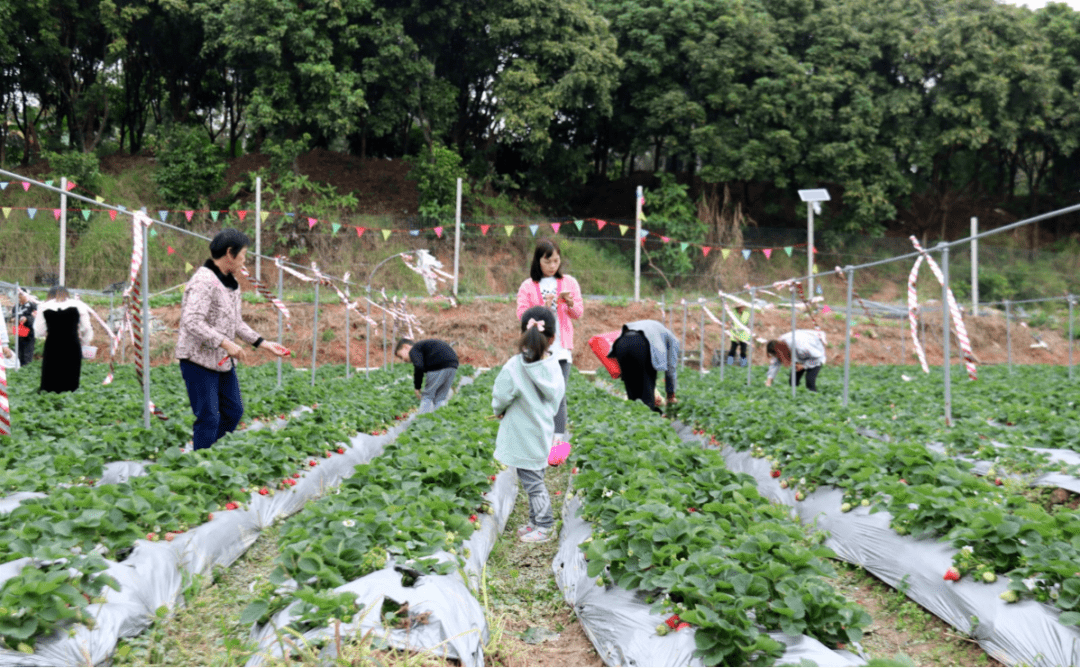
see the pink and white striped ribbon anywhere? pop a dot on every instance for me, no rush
(262, 290)
(913, 317)
(954, 312)
(5, 407)
(140, 224)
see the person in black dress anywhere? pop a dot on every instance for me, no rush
(66, 328)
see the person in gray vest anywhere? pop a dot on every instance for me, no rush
(644, 348)
(809, 356)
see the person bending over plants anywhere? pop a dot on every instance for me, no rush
(527, 394)
(809, 356)
(209, 323)
(433, 360)
(644, 348)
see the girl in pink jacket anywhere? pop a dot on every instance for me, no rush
(547, 286)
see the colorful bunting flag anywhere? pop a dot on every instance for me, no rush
(121, 207)
(86, 214)
(7, 212)
(3, 185)
(643, 233)
(579, 224)
(746, 254)
(311, 223)
(100, 199)
(414, 233)
(49, 183)
(188, 267)
(533, 229)
(153, 232)
(683, 246)
(334, 227)
(484, 230)
(815, 270)
(70, 185)
(188, 214)
(555, 227)
(724, 253)
(600, 224)
(56, 214)
(264, 215)
(666, 240)
(825, 310)
(787, 249)
(242, 213)
(170, 250)
(360, 232)
(438, 231)
(623, 229)
(705, 250)
(509, 229)
(386, 234)
(643, 218)
(112, 214)
(163, 214)
(214, 215)
(31, 213)
(25, 186)
(768, 253)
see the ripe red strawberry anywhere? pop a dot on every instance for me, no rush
(682, 625)
(264, 491)
(296, 475)
(341, 451)
(672, 621)
(952, 574)
(169, 536)
(329, 454)
(692, 510)
(903, 482)
(775, 473)
(997, 481)
(574, 470)
(312, 463)
(231, 506)
(151, 536)
(558, 492)
(210, 517)
(492, 478)
(472, 518)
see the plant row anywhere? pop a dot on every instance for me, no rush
(674, 521)
(74, 529)
(813, 441)
(423, 495)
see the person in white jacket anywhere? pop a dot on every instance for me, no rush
(809, 356)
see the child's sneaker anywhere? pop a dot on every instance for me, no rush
(523, 529)
(537, 536)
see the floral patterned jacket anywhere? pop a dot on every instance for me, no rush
(210, 315)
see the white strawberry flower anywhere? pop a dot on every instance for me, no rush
(348, 523)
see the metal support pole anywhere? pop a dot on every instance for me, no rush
(974, 267)
(348, 337)
(367, 336)
(723, 327)
(663, 309)
(1072, 301)
(385, 361)
(793, 355)
(457, 235)
(682, 344)
(637, 244)
(847, 332)
(809, 249)
(701, 343)
(946, 361)
(15, 320)
(258, 230)
(315, 334)
(63, 231)
(280, 319)
(1008, 332)
(750, 343)
(146, 325)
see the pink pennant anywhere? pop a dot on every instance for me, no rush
(826, 310)
(556, 226)
(56, 214)
(768, 253)
(188, 214)
(438, 231)
(705, 250)
(112, 214)
(360, 232)
(170, 250)
(70, 185)
(666, 240)
(484, 230)
(600, 224)
(311, 223)
(242, 213)
(25, 186)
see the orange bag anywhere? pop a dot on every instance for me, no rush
(601, 346)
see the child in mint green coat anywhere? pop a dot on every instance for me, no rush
(527, 394)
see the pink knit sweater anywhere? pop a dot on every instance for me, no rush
(529, 296)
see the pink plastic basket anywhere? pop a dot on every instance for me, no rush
(558, 453)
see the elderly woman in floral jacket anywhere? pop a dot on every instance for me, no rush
(209, 321)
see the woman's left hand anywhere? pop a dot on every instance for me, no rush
(568, 297)
(275, 348)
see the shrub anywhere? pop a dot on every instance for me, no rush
(436, 172)
(190, 167)
(82, 168)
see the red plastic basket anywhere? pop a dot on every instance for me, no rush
(601, 346)
(22, 331)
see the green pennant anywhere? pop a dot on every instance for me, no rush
(579, 223)
(214, 215)
(683, 246)
(334, 227)
(787, 249)
(86, 214)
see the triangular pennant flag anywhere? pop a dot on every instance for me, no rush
(112, 214)
(666, 240)
(291, 214)
(705, 250)
(484, 230)
(263, 215)
(86, 214)
(334, 227)
(214, 215)
(509, 229)
(746, 254)
(533, 229)
(600, 224)
(100, 199)
(71, 185)
(724, 253)
(49, 183)
(7, 212)
(438, 231)
(623, 229)
(170, 250)
(579, 224)
(414, 233)
(163, 214)
(3, 185)
(787, 249)
(31, 213)
(360, 232)
(188, 267)
(56, 214)
(311, 222)
(683, 245)
(814, 268)
(242, 213)
(25, 186)
(815, 250)
(643, 233)
(386, 234)
(556, 226)
(643, 218)
(818, 286)
(188, 214)
(153, 233)
(768, 253)
(825, 310)
(121, 207)
(142, 209)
